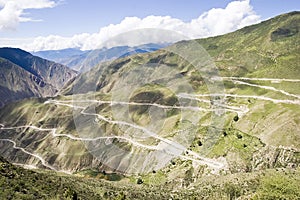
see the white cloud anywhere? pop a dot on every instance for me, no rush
(216, 21)
(12, 11)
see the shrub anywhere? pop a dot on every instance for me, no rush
(233, 191)
(236, 118)
(139, 181)
(239, 136)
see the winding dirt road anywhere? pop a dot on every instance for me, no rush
(29, 153)
(175, 147)
(261, 79)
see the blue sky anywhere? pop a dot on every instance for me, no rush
(70, 17)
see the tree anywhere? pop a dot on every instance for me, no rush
(236, 118)
(139, 181)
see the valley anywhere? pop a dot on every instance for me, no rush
(212, 118)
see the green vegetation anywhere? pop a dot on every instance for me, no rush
(260, 50)
(279, 185)
(19, 183)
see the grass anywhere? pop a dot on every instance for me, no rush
(278, 185)
(236, 146)
(19, 183)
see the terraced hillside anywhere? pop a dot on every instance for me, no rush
(175, 116)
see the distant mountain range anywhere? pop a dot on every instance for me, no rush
(84, 60)
(23, 75)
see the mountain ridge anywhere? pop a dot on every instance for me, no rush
(24, 75)
(78, 60)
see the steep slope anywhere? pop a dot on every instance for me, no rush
(19, 183)
(24, 75)
(17, 83)
(268, 49)
(170, 115)
(53, 73)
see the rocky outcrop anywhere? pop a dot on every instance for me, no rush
(275, 157)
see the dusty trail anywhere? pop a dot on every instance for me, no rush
(236, 80)
(218, 104)
(261, 79)
(28, 126)
(65, 103)
(106, 137)
(29, 153)
(267, 88)
(286, 101)
(54, 134)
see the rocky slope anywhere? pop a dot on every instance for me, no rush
(24, 75)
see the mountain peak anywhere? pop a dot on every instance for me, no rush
(9, 52)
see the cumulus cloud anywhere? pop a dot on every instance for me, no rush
(216, 21)
(12, 11)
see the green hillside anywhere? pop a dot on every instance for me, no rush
(268, 49)
(19, 183)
